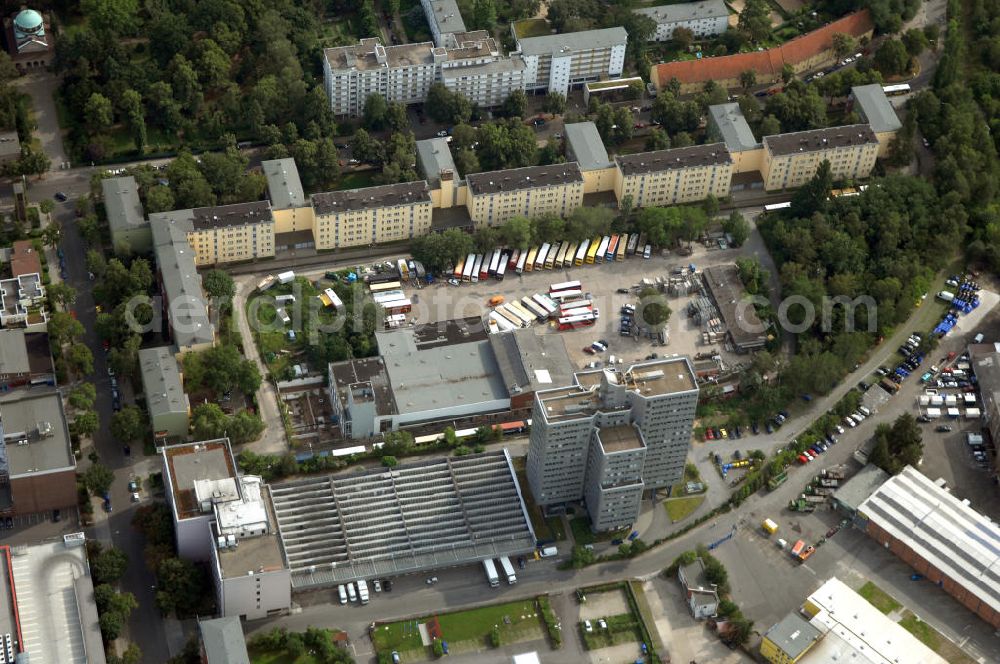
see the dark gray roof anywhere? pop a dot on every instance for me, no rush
(728, 122)
(223, 641)
(584, 144)
(793, 634)
(742, 322)
(161, 381)
(38, 417)
(236, 214)
(386, 195)
(530, 361)
(366, 377)
(121, 200)
(687, 11)
(175, 259)
(529, 177)
(434, 156)
(694, 156)
(283, 184)
(415, 517)
(857, 489)
(13, 352)
(874, 108)
(820, 139)
(585, 40)
(446, 15)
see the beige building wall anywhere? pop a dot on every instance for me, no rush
(793, 170)
(747, 161)
(290, 220)
(884, 138)
(496, 208)
(681, 185)
(353, 228)
(228, 244)
(602, 179)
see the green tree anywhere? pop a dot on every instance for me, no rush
(812, 196)
(748, 79)
(843, 45)
(159, 199)
(135, 117)
(109, 565)
(737, 227)
(366, 148)
(787, 73)
(653, 309)
(554, 103)
(657, 139)
(63, 328)
(218, 283)
(128, 424)
(98, 113)
(111, 625)
(390, 461)
(916, 41)
(440, 251)
(118, 17)
(515, 105)
(85, 423)
(581, 557)
(516, 232)
(98, 479)
(484, 15)
(446, 106)
(755, 20)
(376, 110)
(892, 58)
(61, 293)
(682, 38)
(82, 396)
(80, 360)
(182, 586)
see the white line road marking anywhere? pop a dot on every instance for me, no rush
(807, 568)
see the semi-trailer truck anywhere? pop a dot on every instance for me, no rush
(491, 573)
(508, 569)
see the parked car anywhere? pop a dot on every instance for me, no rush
(943, 428)
(61, 197)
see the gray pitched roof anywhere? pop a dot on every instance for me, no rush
(584, 143)
(161, 381)
(685, 11)
(189, 321)
(728, 121)
(284, 187)
(874, 107)
(434, 156)
(223, 641)
(121, 200)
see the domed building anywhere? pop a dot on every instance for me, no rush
(28, 40)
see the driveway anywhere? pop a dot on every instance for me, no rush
(41, 86)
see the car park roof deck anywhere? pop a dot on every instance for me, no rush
(412, 518)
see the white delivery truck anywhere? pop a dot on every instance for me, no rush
(508, 569)
(491, 573)
(286, 277)
(363, 591)
(947, 296)
(342, 591)
(549, 551)
(933, 413)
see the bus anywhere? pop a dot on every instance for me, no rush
(494, 263)
(484, 269)
(388, 296)
(386, 286)
(612, 249)
(564, 295)
(577, 311)
(896, 90)
(777, 206)
(509, 317)
(521, 311)
(602, 249)
(566, 305)
(633, 243)
(477, 268)
(622, 246)
(516, 254)
(592, 251)
(546, 303)
(397, 307)
(470, 264)
(535, 308)
(503, 325)
(459, 269)
(565, 285)
(511, 428)
(574, 322)
(502, 267)
(540, 256)
(404, 271)
(522, 257)
(560, 256)
(570, 254)
(581, 253)
(529, 264)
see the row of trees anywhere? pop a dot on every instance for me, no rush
(897, 445)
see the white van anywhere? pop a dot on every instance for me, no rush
(350, 591)
(342, 591)
(865, 411)
(549, 551)
(363, 591)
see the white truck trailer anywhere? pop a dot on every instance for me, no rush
(508, 569)
(491, 573)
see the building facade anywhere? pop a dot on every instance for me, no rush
(669, 177)
(701, 597)
(791, 160)
(557, 63)
(232, 233)
(496, 196)
(29, 40)
(472, 64)
(610, 436)
(359, 217)
(703, 19)
(873, 106)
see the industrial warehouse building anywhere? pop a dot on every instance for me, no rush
(412, 518)
(940, 536)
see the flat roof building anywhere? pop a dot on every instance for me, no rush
(25, 359)
(704, 18)
(37, 465)
(10, 147)
(743, 326)
(130, 231)
(413, 518)
(985, 362)
(875, 108)
(701, 596)
(727, 124)
(585, 147)
(529, 362)
(557, 63)
(183, 299)
(856, 490)
(789, 639)
(168, 405)
(48, 590)
(444, 19)
(24, 259)
(609, 435)
(940, 536)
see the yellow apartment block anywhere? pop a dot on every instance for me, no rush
(585, 147)
(358, 217)
(873, 106)
(668, 177)
(495, 197)
(790, 160)
(289, 206)
(231, 233)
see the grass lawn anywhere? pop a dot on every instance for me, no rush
(532, 27)
(621, 629)
(933, 639)
(518, 621)
(582, 534)
(356, 180)
(878, 598)
(681, 508)
(279, 657)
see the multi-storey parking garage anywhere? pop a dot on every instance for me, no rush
(412, 518)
